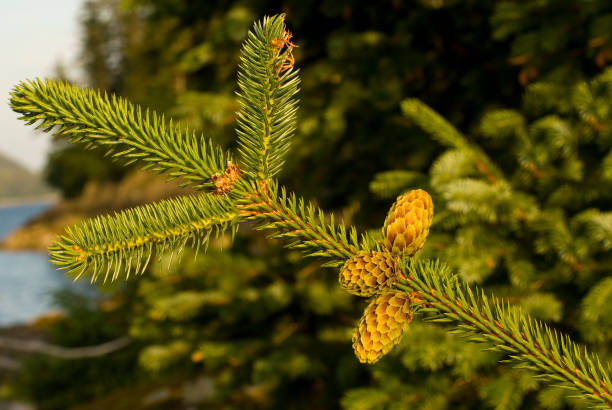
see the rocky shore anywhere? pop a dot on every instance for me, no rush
(96, 199)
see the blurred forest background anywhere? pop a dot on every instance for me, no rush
(523, 200)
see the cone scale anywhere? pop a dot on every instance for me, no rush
(368, 273)
(382, 325)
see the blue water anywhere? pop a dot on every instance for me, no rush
(14, 216)
(27, 279)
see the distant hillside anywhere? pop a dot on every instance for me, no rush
(18, 182)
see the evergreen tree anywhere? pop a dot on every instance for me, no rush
(111, 246)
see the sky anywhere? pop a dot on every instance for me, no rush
(34, 36)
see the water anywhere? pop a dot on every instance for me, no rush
(14, 216)
(27, 279)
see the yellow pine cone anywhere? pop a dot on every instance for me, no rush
(382, 325)
(368, 273)
(407, 223)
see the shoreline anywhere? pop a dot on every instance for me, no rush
(21, 251)
(40, 231)
(50, 198)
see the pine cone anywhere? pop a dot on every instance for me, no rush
(407, 223)
(368, 273)
(382, 325)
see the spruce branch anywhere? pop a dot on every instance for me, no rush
(596, 311)
(599, 226)
(120, 127)
(444, 132)
(304, 224)
(449, 168)
(529, 343)
(388, 184)
(112, 245)
(268, 83)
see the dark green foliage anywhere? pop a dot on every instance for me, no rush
(267, 335)
(69, 169)
(534, 226)
(50, 382)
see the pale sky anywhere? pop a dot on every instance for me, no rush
(34, 36)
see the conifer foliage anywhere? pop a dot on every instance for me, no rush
(400, 283)
(534, 223)
(267, 84)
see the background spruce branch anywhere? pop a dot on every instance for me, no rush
(446, 134)
(119, 127)
(454, 171)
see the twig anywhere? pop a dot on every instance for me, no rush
(38, 346)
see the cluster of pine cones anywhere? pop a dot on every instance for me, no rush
(374, 274)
